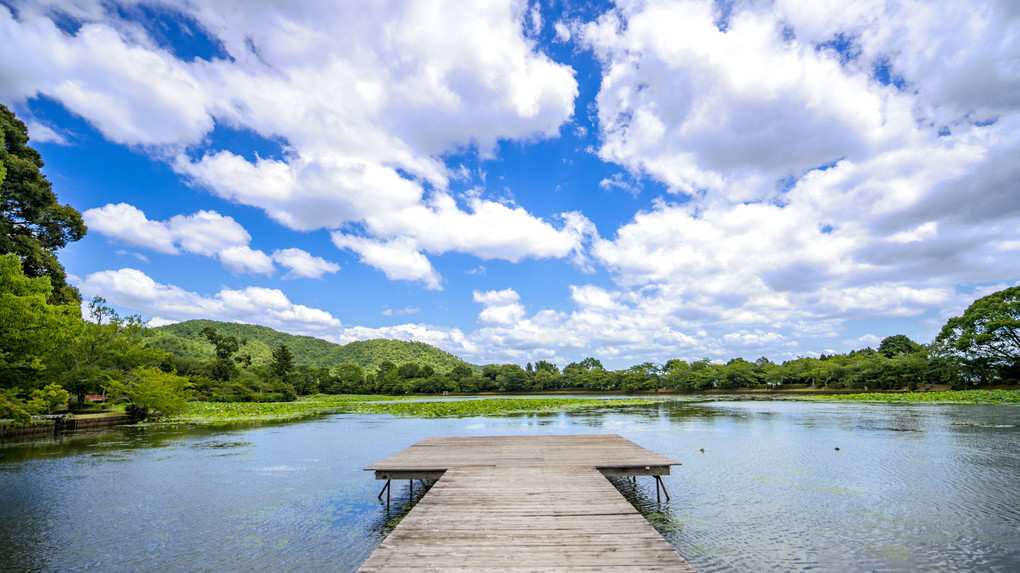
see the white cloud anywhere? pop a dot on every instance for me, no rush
(132, 91)
(818, 191)
(734, 111)
(562, 32)
(363, 122)
(205, 233)
(166, 303)
(496, 297)
(501, 307)
(128, 224)
(399, 258)
(244, 259)
(303, 265)
(42, 133)
(400, 312)
(813, 186)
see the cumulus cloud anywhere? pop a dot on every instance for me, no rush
(205, 233)
(836, 165)
(169, 303)
(823, 163)
(731, 111)
(244, 259)
(399, 258)
(363, 122)
(501, 307)
(304, 265)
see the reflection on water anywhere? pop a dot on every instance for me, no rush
(762, 487)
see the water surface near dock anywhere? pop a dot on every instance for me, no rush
(912, 487)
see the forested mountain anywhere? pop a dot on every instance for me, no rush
(185, 339)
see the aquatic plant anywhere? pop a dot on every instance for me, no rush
(219, 412)
(493, 406)
(950, 397)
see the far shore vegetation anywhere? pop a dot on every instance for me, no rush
(54, 361)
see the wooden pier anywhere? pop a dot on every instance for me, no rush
(523, 503)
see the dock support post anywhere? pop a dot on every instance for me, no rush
(658, 484)
(385, 488)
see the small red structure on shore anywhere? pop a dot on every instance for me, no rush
(96, 397)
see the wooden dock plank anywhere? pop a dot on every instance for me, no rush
(547, 518)
(527, 503)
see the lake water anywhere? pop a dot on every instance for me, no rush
(912, 488)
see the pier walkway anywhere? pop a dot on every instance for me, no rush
(523, 503)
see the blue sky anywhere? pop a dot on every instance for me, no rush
(521, 181)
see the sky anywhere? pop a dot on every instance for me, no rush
(513, 181)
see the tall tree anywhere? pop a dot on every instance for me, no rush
(986, 339)
(30, 327)
(224, 367)
(283, 363)
(33, 225)
(898, 344)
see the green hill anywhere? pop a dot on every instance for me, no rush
(185, 339)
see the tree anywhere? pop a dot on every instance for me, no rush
(48, 398)
(150, 391)
(543, 366)
(30, 327)
(985, 341)
(101, 350)
(224, 367)
(898, 344)
(459, 372)
(350, 379)
(283, 362)
(408, 370)
(11, 407)
(33, 225)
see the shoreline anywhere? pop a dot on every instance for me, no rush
(211, 414)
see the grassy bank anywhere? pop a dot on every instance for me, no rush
(948, 397)
(224, 412)
(417, 407)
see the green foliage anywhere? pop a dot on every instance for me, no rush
(283, 362)
(152, 391)
(185, 339)
(491, 406)
(898, 344)
(47, 398)
(102, 350)
(347, 379)
(224, 367)
(949, 397)
(221, 412)
(33, 225)
(30, 327)
(12, 408)
(217, 412)
(985, 341)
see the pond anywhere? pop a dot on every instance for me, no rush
(910, 488)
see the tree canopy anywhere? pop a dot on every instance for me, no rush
(33, 224)
(986, 338)
(30, 326)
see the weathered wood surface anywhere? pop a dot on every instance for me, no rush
(597, 450)
(544, 507)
